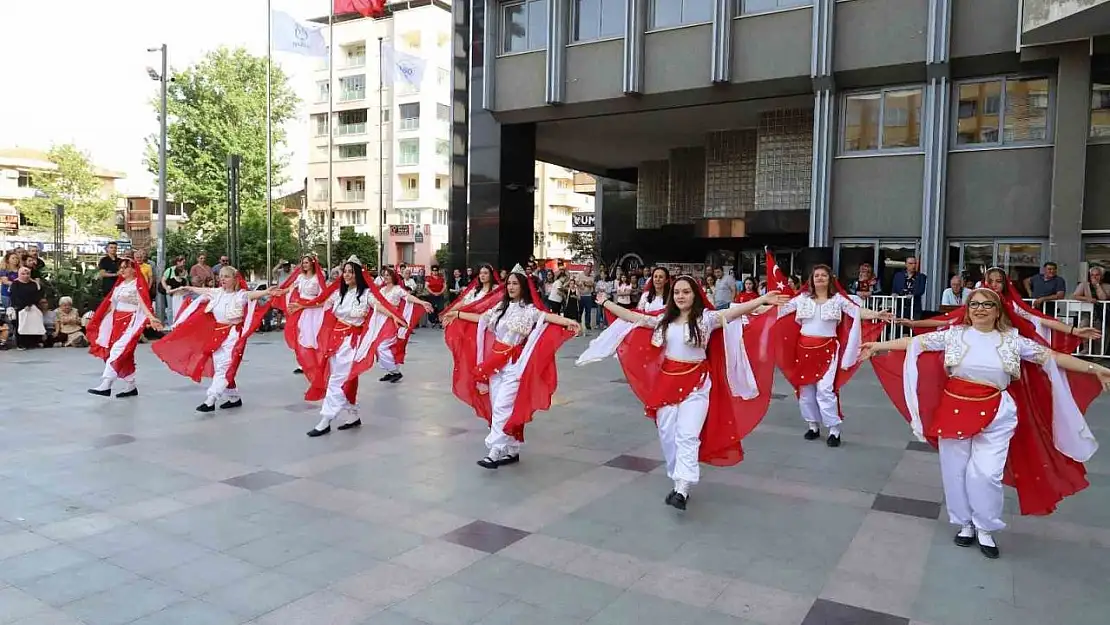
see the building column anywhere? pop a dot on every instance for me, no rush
(1069, 161)
(458, 210)
(824, 121)
(558, 25)
(936, 114)
(720, 70)
(635, 23)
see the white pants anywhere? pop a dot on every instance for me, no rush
(818, 401)
(385, 356)
(221, 362)
(114, 352)
(972, 468)
(680, 434)
(503, 387)
(339, 367)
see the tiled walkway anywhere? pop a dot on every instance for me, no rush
(144, 511)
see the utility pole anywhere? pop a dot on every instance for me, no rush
(163, 78)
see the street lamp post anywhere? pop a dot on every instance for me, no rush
(162, 78)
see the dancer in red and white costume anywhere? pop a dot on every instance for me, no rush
(357, 321)
(210, 335)
(485, 285)
(514, 373)
(302, 325)
(462, 338)
(690, 367)
(818, 340)
(391, 353)
(964, 389)
(116, 327)
(656, 292)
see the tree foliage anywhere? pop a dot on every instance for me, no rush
(443, 257)
(75, 186)
(351, 243)
(188, 241)
(585, 246)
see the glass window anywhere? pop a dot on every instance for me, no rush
(409, 152)
(439, 217)
(892, 259)
(1020, 260)
(321, 122)
(385, 116)
(1100, 98)
(596, 19)
(355, 150)
(889, 119)
(523, 26)
(352, 88)
(748, 7)
(443, 113)
(320, 189)
(664, 13)
(1097, 253)
(410, 115)
(1004, 111)
(850, 256)
(322, 90)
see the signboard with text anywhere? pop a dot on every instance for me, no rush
(582, 222)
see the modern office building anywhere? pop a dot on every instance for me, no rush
(967, 133)
(557, 201)
(410, 179)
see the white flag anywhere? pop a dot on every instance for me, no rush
(401, 67)
(292, 36)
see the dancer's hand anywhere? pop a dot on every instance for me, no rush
(574, 327)
(1088, 334)
(427, 306)
(157, 325)
(294, 307)
(904, 322)
(602, 298)
(886, 316)
(1104, 377)
(449, 316)
(867, 350)
(774, 298)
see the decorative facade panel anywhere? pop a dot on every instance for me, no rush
(784, 160)
(652, 193)
(687, 189)
(730, 158)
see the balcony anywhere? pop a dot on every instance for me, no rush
(352, 95)
(350, 129)
(1051, 21)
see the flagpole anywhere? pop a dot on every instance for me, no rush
(381, 157)
(331, 134)
(269, 144)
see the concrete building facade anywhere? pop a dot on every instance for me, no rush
(967, 133)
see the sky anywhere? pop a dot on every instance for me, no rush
(77, 73)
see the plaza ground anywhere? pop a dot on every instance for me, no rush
(143, 511)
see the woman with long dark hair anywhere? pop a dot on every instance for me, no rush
(965, 389)
(116, 327)
(462, 338)
(657, 291)
(818, 348)
(690, 367)
(748, 291)
(357, 320)
(302, 324)
(484, 286)
(391, 352)
(514, 372)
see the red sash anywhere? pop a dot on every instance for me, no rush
(813, 356)
(341, 332)
(964, 409)
(677, 380)
(497, 358)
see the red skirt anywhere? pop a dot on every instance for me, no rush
(964, 409)
(813, 356)
(124, 365)
(677, 380)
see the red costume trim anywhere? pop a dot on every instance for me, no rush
(92, 330)
(964, 409)
(677, 380)
(462, 343)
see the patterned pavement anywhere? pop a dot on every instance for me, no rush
(143, 511)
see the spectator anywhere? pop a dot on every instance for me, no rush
(220, 265)
(67, 325)
(49, 321)
(956, 294)
(1096, 293)
(200, 274)
(25, 294)
(911, 284)
(143, 265)
(866, 284)
(36, 263)
(1046, 286)
(437, 287)
(587, 283)
(108, 267)
(603, 285)
(724, 288)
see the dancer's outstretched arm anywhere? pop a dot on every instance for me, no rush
(773, 298)
(619, 312)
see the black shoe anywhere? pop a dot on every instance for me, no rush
(104, 393)
(314, 432)
(298, 370)
(488, 463)
(677, 500)
(812, 435)
(964, 541)
(513, 459)
(357, 423)
(670, 497)
(396, 377)
(206, 408)
(991, 553)
(833, 440)
(132, 393)
(388, 377)
(238, 403)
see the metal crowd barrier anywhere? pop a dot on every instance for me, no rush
(902, 307)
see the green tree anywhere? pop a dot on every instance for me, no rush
(217, 108)
(585, 246)
(75, 186)
(443, 257)
(350, 243)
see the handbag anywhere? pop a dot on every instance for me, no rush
(30, 322)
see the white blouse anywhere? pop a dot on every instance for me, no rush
(125, 297)
(515, 325)
(818, 320)
(679, 343)
(308, 287)
(656, 304)
(394, 294)
(992, 358)
(227, 307)
(474, 296)
(351, 309)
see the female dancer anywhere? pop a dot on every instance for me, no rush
(975, 399)
(356, 320)
(819, 348)
(478, 290)
(210, 335)
(1061, 336)
(391, 353)
(302, 325)
(515, 373)
(116, 327)
(698, 384)
(462, 338)
(658, 292)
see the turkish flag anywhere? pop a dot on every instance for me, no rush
(776, 277)
(366, 8)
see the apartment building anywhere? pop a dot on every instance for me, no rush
(407, 173)
(968, 133)
(556, 202)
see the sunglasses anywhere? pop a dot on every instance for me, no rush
(983, 305)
